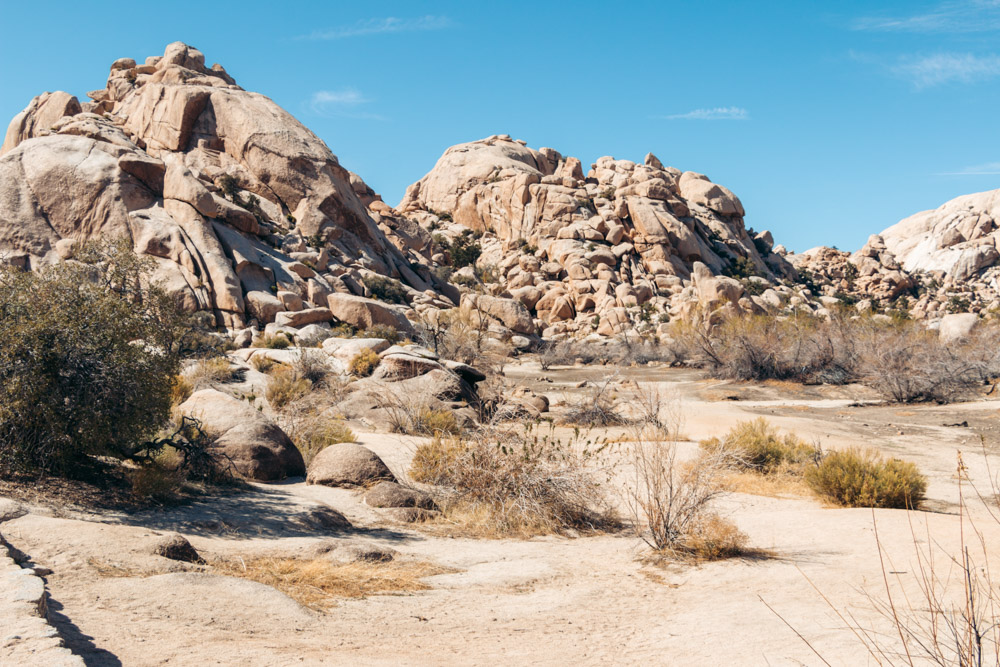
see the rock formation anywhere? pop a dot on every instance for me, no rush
(235, 200)
(596, 252)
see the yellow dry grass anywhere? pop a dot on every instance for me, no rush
(317, 583)
(771, 485)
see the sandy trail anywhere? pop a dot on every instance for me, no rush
(555, 600)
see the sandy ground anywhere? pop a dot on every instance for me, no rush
(554, 600)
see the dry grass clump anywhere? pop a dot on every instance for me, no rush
(181, 389)
(509, 481)
(595, 408)
(311, 365)
(859, 477)
(311, 436)
(262, 364)
(209, 371)
(363, 363)
(156, 482)
(436, 422)
(284, 386)
(272, 342)
(318, 582)
(756, 445)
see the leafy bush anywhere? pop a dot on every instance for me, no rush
(385, 289)
(88, 355)
(285, 386)
(464, 250)
(363, 363)
(511, 482)
(862, 478)
(756, 445)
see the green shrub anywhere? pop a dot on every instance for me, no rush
(364, 362)
(859, 477)
(756, 445)
(383, 331)
(465, 250)
(385, 289)
(88, 355)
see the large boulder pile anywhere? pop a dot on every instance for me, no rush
(944, 260)
(235, 200)
(580, 253)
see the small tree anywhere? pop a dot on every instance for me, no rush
(87, 353)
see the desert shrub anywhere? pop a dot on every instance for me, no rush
(463, 335)
(384, 331)
(863, 478)
(431, 421)
(313, 435)
(513, 482)
(262, 364)
(464, 250)
(670, 502)
(385, 289)
(363, 363)
(88, 354)
(311, 365)
(712, 537)
(595, 408)
(284, 386)
(210, 371)
(756, 445)
(273, 342)
(181, 389)
(154, 482)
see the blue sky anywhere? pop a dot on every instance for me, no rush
(831, 121)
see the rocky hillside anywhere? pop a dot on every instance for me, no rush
(608, 251)
(931, 263)
(247, 213)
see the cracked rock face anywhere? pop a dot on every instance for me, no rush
(219, 185)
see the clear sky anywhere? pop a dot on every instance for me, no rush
(831, 121)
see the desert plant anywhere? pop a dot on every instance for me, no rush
(154, 482)
(311, 365)
(210, 371)
(385, 289)
(439, 421)
(285, 386)
(383, 331)
(262, 364)
(181, 389)
(756, 445)
(363, 363)
(88, 353)
(859, 477)
(273, 342)
(596, 407)
(511, 481)
(313, 435)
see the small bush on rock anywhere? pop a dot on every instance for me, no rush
(863, 478)
(363, 363)
(276, 342)
(385, 289)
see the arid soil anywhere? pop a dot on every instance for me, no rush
(552, 600)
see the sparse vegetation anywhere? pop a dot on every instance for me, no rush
(756, 445)
(511, 481)
(284, 386)
(275, 342)
(317, 583)
(863, 478)
(363, 363)
(385, 289)
(210, 371)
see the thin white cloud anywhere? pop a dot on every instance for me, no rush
(344, 103)
(964, 16)
(942, 68)
(388, 25)
(988, 169)
(716, 113)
